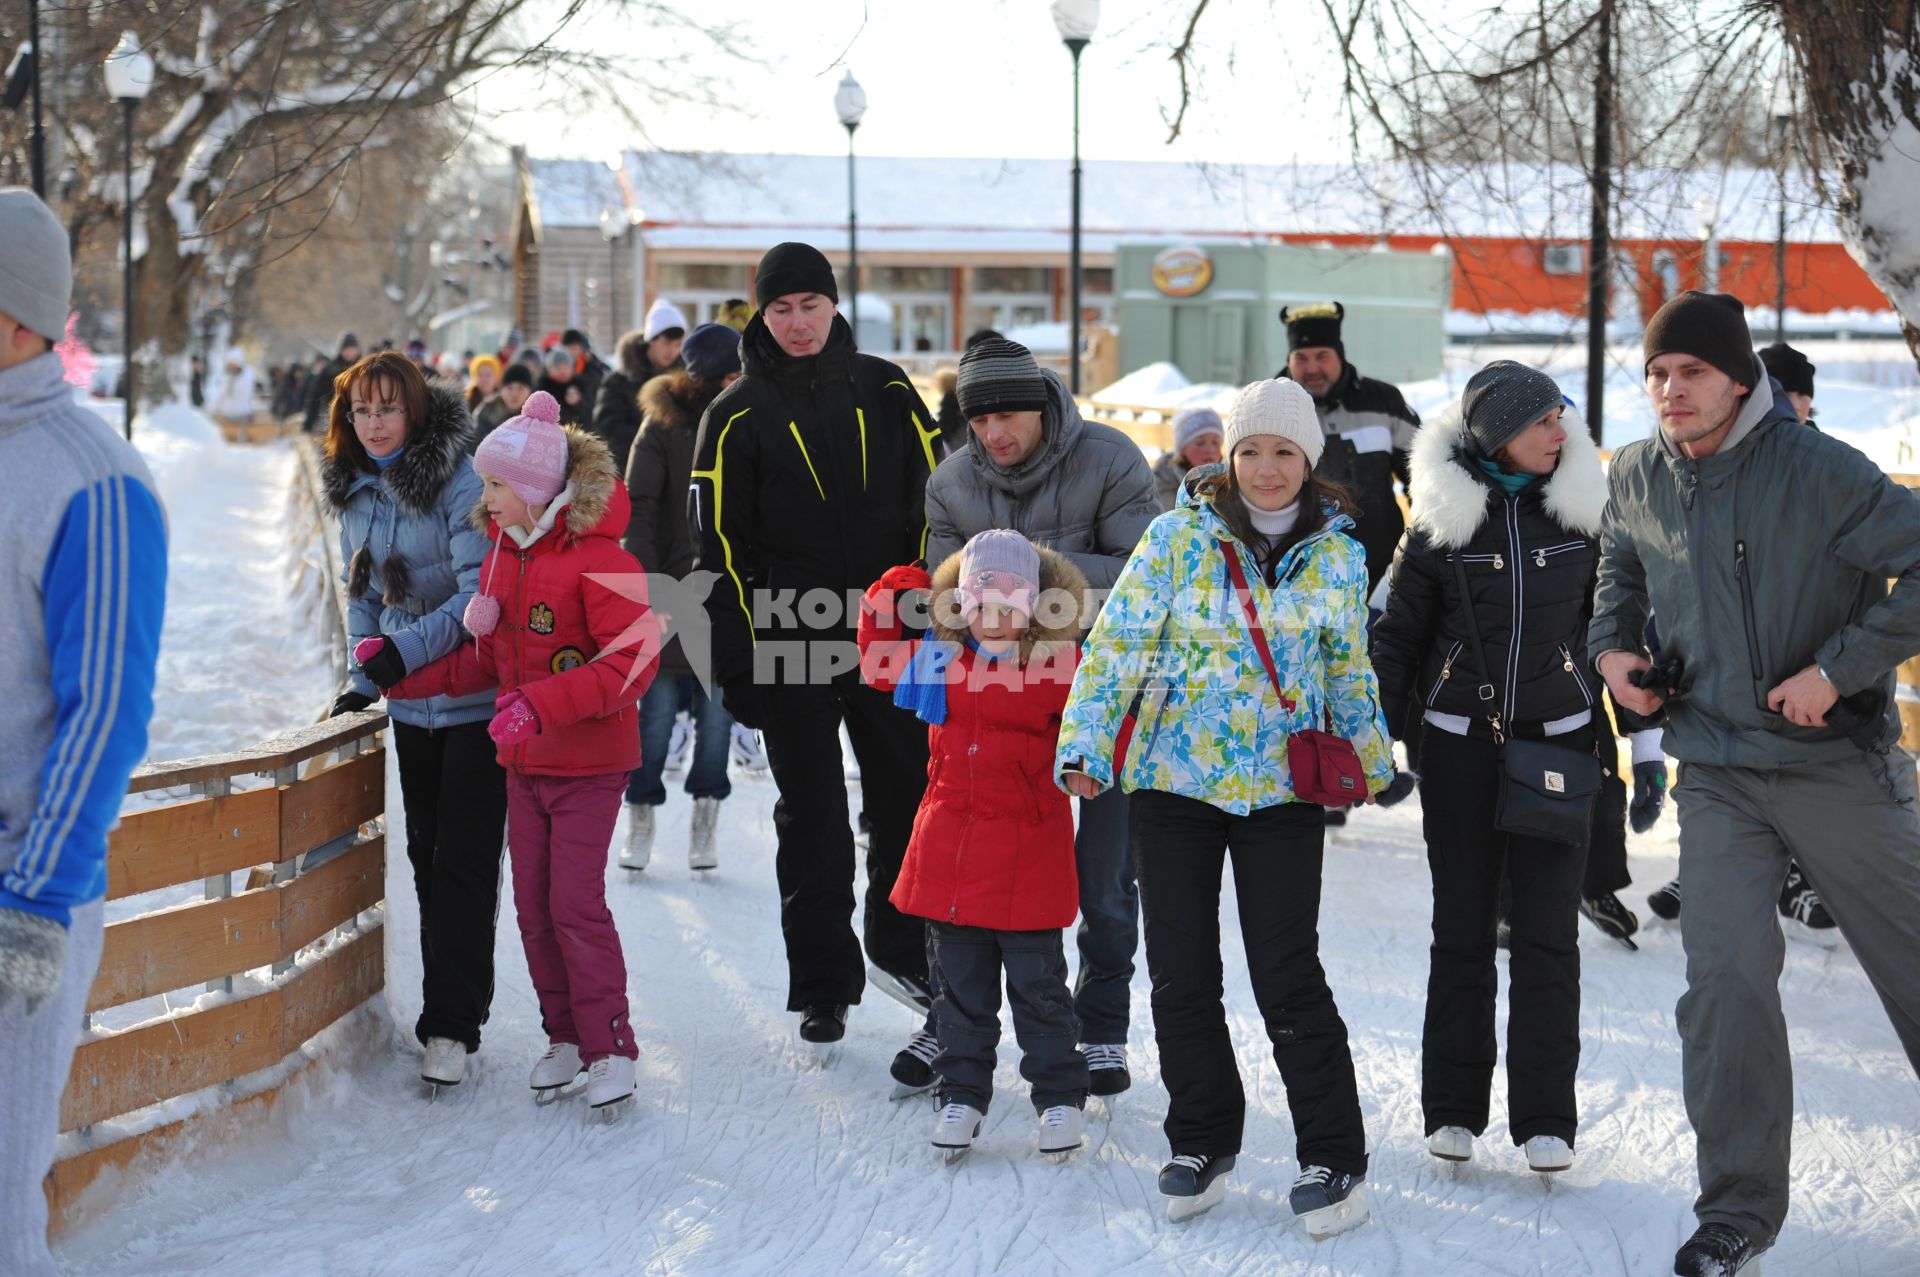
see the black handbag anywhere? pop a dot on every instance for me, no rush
(1547, 791)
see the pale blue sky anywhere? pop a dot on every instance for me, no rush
(984, 77)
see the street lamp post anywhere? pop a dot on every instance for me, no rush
(1782, 112)
(612, 227)
(129, 72)
(850, 101)
(39, 136)
(1075, 20)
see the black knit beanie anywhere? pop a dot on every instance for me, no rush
(1793, 370)
(998, 375)
(1712, 327)
(1503, 399)
(1317, 324)
(517, 372)
(793, 268)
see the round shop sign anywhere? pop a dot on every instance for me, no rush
(1182, 271)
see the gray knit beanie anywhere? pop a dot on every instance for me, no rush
(998, 375)
(1000, 566)
(36, 264)
(1503, 399)
(1191, 423)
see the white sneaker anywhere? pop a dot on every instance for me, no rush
(1451, 1144)
(445, 1063)
(955, 1127)
(701, 853)
(1548, 1154)
(559, 1066)
(609, 1080)
(747, 750)
(639, 848)
(1061, 1129)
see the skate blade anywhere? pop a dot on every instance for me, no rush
(1331, 1221)
(1450, 1159)
(1063, 1154)
(610, 1111)
(822, 1055)
(1184, 1208)
(902, 1091)
(633, 869)
(886, 984)
(704, 869)
(951, 1154)
(545, 1095)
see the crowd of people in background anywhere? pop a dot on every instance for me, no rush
(1077, 687)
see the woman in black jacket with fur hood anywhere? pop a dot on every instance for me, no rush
(659, 468)
(1484, 637)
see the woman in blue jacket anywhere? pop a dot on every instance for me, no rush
(398, 476)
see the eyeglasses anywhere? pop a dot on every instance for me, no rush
(377, 414)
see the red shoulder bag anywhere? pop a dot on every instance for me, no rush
(1326, 769)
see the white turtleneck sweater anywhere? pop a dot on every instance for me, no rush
(1273, 524)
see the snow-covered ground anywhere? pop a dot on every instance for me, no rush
(742, 1158)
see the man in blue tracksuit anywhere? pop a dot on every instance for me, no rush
(83, 570)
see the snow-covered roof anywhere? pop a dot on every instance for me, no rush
(1019, 206)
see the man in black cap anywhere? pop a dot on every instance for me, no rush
(809, 481)
(320, 386)
(1766, 550)
(1368, 425)
(1794, 371)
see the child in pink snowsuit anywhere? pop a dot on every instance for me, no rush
(571, 651)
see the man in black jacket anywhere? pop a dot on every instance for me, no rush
(589, 372)
(320, 385)
(809, 481)
(1368, 425)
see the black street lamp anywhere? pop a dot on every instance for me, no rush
(1781, 110)
(1075, 21)
(129, 72)
(39, 134)
(850, 101)
(612, 227)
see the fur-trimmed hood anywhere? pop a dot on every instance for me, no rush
(1057, 572)
(435, 449)
(1449, 494)
(675, 400)
(598, 505)
(630, 356)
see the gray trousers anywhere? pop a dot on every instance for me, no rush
(1852, 826)
(965, 964)
(35, 1053)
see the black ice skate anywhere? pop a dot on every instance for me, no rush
(1328, 1202)
(1194, 1183)
(1615, 919)
(1719, 1250)
(1805, 912)
(912, 1068)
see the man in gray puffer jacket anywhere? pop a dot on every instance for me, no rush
(1084, 490)
(1765, 549)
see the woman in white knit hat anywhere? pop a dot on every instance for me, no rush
(1215, 701)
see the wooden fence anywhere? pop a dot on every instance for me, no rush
(315, 870)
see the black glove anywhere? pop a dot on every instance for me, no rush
(386, 666)
(741, 697)
(349, 702)
(1861, 718)
(1398, 788)
(1649, 794)
(1666, 678)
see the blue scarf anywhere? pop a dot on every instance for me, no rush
(381, 463)
(1509, 483)
(923, 687)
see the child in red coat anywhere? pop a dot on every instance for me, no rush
(571, 651)
(990, 864)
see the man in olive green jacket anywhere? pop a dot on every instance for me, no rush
(1765, 549)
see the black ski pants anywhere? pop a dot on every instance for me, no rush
(1180, 847)
(814, 855)
(1469, 859)
(966, 963)
(455, 794)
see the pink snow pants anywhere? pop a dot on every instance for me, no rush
(558, 830)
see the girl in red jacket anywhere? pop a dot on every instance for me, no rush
(990, 864)
(562, 627)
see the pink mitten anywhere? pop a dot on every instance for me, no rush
(514, 720)
(482, 614)
(368, 648)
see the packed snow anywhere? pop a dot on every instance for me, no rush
(742, 1157)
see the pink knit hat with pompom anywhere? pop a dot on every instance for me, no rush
(528, 453)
